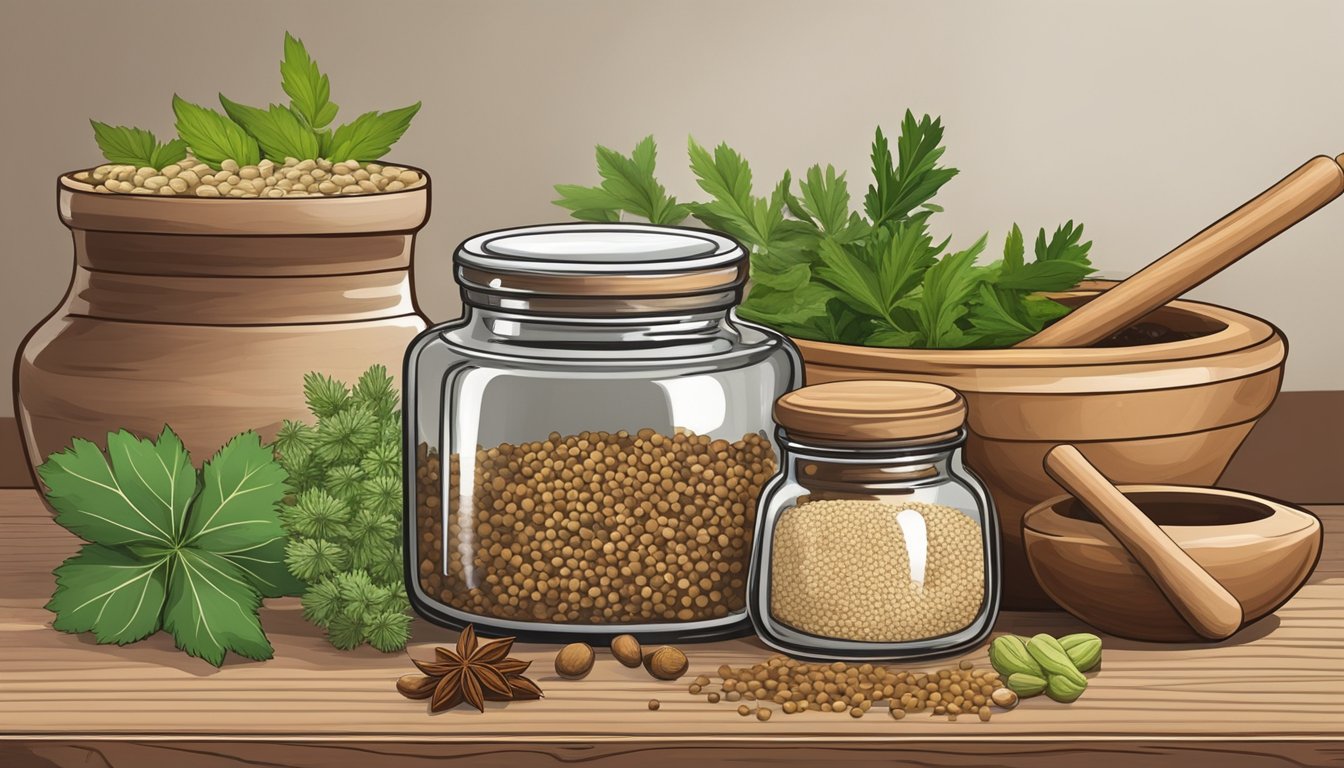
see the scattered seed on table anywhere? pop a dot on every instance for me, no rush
(763, 714)
(653, 704)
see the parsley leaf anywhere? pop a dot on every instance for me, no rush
(214, 138)
(821, 271)
(168, 548)
(276, 129)
(371, 135)
(628, 183)
(308, 88)
(901, 187)
(136, 146)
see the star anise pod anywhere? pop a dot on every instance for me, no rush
(473, 673)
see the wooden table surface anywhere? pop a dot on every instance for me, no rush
(1272, 695)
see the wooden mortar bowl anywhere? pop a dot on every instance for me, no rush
(1173, 412)
(1262, 551)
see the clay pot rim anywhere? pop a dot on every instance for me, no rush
(81, 208)
(1240, 331)
(1284, 520)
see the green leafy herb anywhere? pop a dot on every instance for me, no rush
(343, 511)
(193, 554)
(821, 271)
(627, 184)
(277, 130)
(371, 135)
(308, 88)
(136, 146)
(214, 138)
(300, 130)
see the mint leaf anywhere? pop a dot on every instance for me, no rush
(212, 609)
(911, 180)
(371, 135)
(136, 146)
(214, 138)
(91, 502)
(113, 594)
(236, 507)
(276, 129)
(309, 90)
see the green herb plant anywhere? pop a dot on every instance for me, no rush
(822, 271)
(300, 129)
(168, 547)
(343, 510)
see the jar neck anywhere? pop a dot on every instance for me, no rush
(858, 470)
(529, 329)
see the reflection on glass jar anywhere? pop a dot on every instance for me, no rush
(876, 543)
(594, 464)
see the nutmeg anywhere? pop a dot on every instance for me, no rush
(627, 651)
(574, 660)
(666, 663)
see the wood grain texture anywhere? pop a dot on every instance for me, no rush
(1274, 689)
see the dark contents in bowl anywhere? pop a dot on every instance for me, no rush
(1174, 508)
(1141, 334)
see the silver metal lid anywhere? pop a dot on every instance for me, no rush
(603, 269)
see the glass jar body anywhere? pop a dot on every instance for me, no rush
(572, 478)
(875, 554)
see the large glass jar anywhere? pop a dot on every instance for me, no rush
(874, 542)
(587, 444)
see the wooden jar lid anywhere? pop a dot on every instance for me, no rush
(871, 411)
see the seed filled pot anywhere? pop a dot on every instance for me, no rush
(205, 314)
(588, 442)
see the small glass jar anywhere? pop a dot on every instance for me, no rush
(874, 542)
(587, 444)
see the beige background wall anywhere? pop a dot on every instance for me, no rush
(1146, 120)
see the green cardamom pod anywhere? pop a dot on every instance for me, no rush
(1062, 689)
(1052, 657)
(1084, 650)
(1024, 684)
(1009, 655)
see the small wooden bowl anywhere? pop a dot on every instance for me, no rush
(1261, 550)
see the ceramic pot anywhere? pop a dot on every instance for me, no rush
(1172, 412)
(205, 314)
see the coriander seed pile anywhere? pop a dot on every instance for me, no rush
(855, 689)
(292, 178)
(842, 568)
(594, 528)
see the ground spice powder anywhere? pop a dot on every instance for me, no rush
(842, 568)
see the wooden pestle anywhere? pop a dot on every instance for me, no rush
(1317, 182)
(1204, 603)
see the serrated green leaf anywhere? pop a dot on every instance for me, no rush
(852, 278)
(374, 391)
(124, 144)
(157, 477)
(631, 181)
(325, 396)
(371, 135)
(276, 129)
(236, 506)
(786, 309)
(110, 592)
(92, 503)
(914, 177)
(346, 631)
(263, 563)
(827, 198)
(214, 138)
(388, 631)
(314, 559)
(308, 88)
(943, 298)
(321, 602)
(1014, 250)
(212, 609)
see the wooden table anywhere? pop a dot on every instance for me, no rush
(1273, 695)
